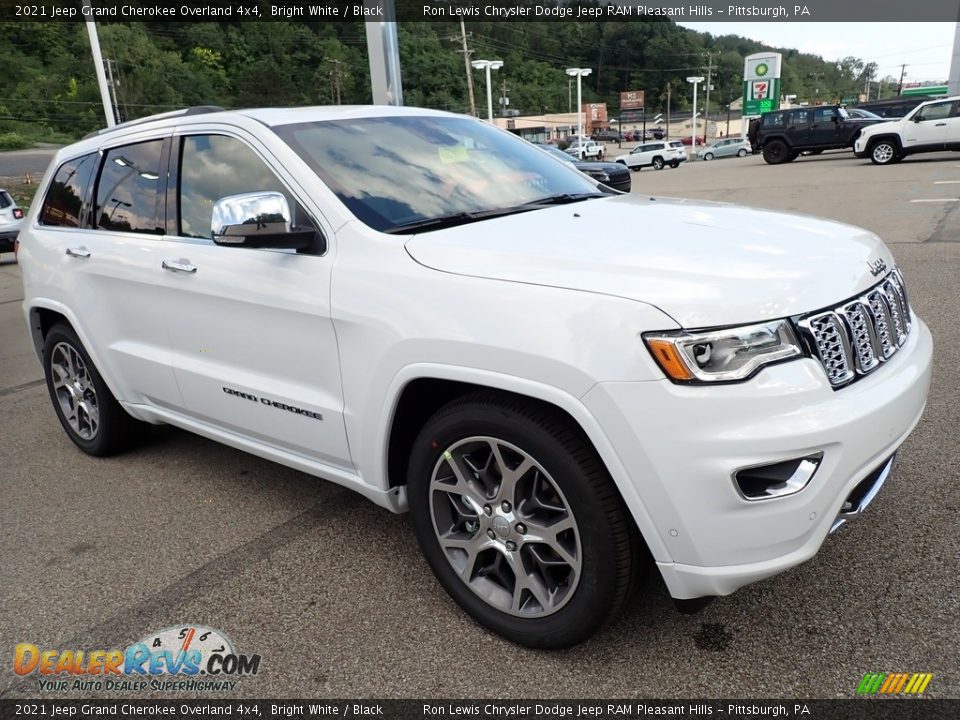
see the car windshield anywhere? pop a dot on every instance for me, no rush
(866, 114)
(411, 173)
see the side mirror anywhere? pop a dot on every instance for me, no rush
(257, 220)
(917, 117)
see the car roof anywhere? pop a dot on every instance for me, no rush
(271, 117)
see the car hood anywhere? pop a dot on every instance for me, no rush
(704, 264)
(606, 167)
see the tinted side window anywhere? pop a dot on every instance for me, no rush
(773, 120)
(799, 117)
(127, 191)
(5, 200)
(823, 115)
(213, 167)
(937, 111)
(64, 199)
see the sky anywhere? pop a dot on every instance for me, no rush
(926, 48)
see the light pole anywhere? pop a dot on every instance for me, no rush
(488, 65)
(693, 135)
(579, 73)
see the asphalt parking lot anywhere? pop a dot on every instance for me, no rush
(333, 594)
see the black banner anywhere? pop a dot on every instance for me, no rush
(853, 709)
(481, 10)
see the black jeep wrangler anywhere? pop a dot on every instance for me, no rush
(782, 135)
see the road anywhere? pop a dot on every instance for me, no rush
(16, 164)
(333, 594)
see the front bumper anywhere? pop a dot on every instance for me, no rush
(682, 444)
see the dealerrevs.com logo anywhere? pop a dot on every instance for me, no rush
(894, 683)
(182, 658)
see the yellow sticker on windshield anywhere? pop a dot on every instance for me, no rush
(456, 154)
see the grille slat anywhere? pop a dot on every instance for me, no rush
(857, 336)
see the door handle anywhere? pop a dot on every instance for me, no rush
(940, 125)
(178, 266)
(79, 252)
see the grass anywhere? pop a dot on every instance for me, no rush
(22, 193)
(14, 141)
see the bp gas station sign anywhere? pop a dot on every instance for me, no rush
(761, 83)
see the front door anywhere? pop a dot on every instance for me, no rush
(929, 126)
(253, 344)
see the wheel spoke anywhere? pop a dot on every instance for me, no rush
(462, 486)
(524, 582)
(62, 376)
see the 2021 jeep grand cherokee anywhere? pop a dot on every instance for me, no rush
(443, 318)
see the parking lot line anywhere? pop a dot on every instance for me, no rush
(946, 182)
(935, 200)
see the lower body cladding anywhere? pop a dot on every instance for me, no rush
(683, 446)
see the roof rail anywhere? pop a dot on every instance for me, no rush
(196, 110)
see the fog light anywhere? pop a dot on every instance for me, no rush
(762, 482)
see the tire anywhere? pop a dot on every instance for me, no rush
(775, 152)
(884, 152)
(674, 164)
(742, 152)
(594, 560)
(97, 424)
(658, 163)
(708, 156)
(621, 162)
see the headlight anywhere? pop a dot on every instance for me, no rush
(725, 354)
(602, 177)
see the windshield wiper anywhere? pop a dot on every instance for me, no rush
(454, 219)
(566, 198)
(463, 218)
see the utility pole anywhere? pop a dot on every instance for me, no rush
(467, 52)
(706, 98)
(335, 76)
(668, 111)
(113, 88)
(903, 71)
(98, 65)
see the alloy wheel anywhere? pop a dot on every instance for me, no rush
(883, 153)
(505, 527)
(75, 391)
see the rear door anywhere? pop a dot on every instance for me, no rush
(798, 127)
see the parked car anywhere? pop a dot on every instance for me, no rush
(727, 147)
(585, 150)
(861, 114)
(612, 175)
(655, 154)
(11, 219)
(606, 136)
(558, 381)
(781, 135)
(895, 107)
(930, 127)
(688, 140)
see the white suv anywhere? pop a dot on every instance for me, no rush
(442, 317)
(655, 154)
(585, 150)
(930, 127)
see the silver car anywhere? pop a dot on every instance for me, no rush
(728, 147)
(11, 218)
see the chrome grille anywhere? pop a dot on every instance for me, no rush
(854, 338)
